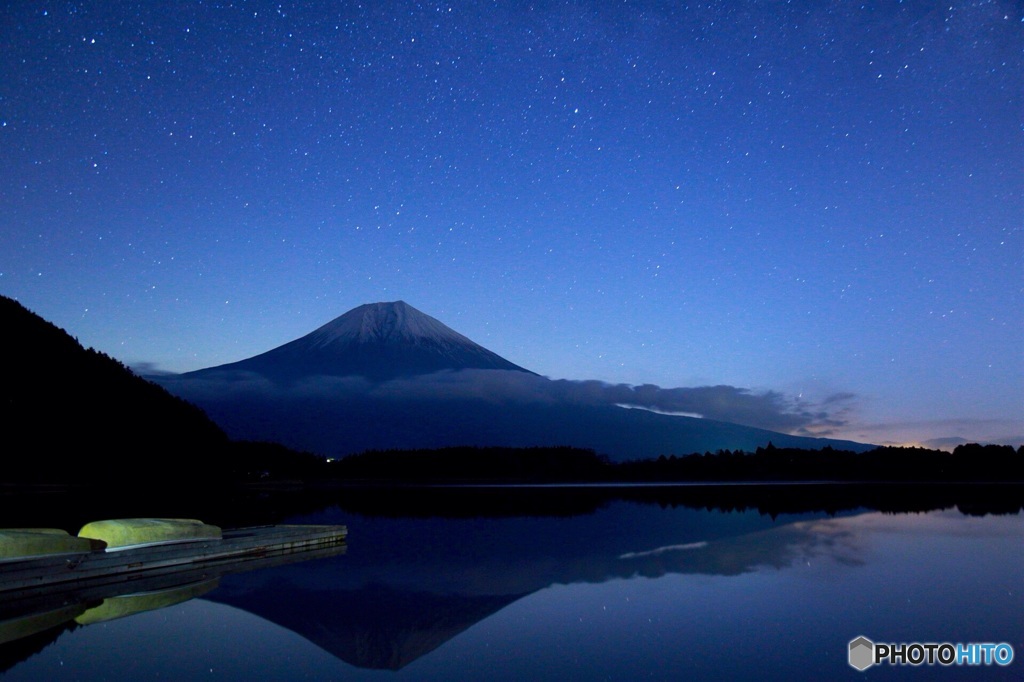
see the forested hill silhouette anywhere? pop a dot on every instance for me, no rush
(71, 414)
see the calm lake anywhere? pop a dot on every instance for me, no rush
(606, 589)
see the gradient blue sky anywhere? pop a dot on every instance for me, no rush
(820, 198)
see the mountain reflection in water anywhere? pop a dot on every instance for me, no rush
(408, 586)
(627, 590)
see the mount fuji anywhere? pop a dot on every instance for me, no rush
(377, 341)
(385, 375)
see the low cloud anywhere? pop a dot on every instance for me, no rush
(770, 410)
(766, 409)
(149, 369)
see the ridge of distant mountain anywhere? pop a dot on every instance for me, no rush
(92, 418)
(377, 341)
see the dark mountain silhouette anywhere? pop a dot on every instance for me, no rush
(76, 415)
(377, 341)
(385, 375)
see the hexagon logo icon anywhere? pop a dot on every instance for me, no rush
(862, 653)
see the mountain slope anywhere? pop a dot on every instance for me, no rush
(377, 341)
(71, 414)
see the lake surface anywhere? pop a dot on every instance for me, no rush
(625, 590)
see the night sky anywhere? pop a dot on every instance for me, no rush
(823, 199)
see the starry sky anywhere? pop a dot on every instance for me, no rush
(820, 199)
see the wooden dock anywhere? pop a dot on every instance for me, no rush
(40, 591)
(118, 564)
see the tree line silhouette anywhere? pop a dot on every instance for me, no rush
(970, 462)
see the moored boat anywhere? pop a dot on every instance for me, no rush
(18, 543)
(121, 533)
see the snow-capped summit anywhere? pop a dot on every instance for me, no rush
(395, 322)
(378, 341)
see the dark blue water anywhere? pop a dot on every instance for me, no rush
(631, 591)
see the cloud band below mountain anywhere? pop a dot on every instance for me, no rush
(770, 410)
